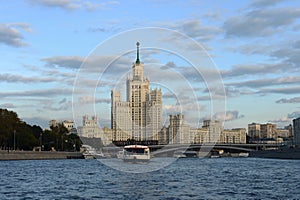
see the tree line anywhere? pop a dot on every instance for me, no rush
(16, 134)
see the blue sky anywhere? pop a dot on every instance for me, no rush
(254, 45)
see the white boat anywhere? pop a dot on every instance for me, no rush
(245, 154)
(136, 153)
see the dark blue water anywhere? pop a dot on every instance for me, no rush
(224, 178)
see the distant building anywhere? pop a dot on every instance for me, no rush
(215, 128)
(254, 130)
(268, 130)
(262, 131)
(296, 125)
(200, 135)
(286, 132)
(68, 124)
(163, 136)
(140, 116)
(211, 132)
(178, 131)
(90, 129)
(53, 123)
(233, 136)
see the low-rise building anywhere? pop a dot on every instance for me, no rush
(53, 123)
(233, 136)
(68, 124)
(90, 129)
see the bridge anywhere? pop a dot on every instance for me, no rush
(169, 149)
(237, 148)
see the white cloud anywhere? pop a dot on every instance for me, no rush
(11, 35)
(70, 5)
(286, 120)
(7, 105)
(53, 92)
(93, 100)
(228, 116)
(12, 78)
(292, 100)
(281, 90)
(262, 22)
(265, 3)
(64, 4)
(194, 28)
(260, 82)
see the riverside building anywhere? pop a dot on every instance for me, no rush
(140, 116)
(90, 129)
(262, 131)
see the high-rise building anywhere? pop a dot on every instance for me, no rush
(296, 125)
(140, 116)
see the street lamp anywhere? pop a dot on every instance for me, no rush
(41, 141)
(14, 140)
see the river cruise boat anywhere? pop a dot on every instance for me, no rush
(136, 153)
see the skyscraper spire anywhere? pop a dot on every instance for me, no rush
(137, 53)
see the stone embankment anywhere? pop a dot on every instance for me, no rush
(38, 155)
(293, 153)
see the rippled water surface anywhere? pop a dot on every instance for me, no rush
(224, 178)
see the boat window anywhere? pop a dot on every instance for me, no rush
(135, 150)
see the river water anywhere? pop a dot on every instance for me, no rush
(189, 178)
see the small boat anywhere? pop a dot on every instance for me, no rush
(136, 153)
(243, 154)
(179, 154)
(214, 154)
(91, 153)
(120, 154)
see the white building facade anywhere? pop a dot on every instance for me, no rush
(90, 129)
(140, 116)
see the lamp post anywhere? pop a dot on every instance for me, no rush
(41, 141)
(14, 140)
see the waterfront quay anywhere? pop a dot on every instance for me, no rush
(38, 155)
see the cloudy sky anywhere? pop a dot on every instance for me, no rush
(56, 52)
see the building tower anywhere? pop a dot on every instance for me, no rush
(140, 116)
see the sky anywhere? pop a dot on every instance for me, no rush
(61, 58)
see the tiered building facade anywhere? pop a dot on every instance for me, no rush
(140, 116)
